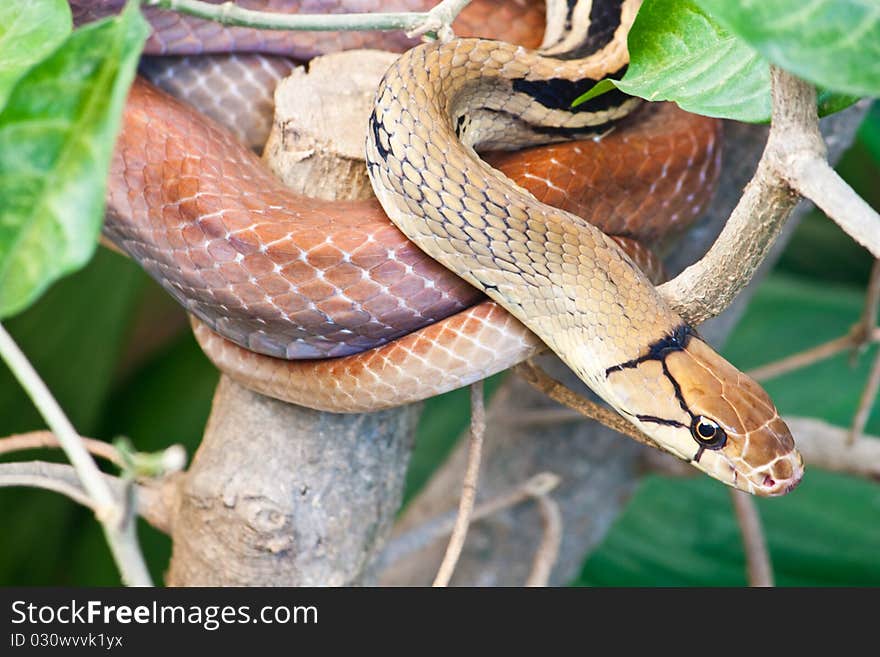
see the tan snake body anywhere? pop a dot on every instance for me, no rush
(560, 276)
(568, 282)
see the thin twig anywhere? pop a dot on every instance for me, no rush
(118, 529)
(866, 402)
(548, 549)
(861, 334)
(468, 487)
(437, 20)
(760, 571)
(434, 529)
(866, 329)
(540, 380)
(816, 180)
(39, 474)
(151, 500)
(47, 439)
(802, 358)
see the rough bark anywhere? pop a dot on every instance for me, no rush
(317, 148)
(280, 495)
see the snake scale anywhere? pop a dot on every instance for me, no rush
(339, 311)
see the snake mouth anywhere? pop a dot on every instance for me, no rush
(780, 478)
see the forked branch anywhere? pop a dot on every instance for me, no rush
(793, 158)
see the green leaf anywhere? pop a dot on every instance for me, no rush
(29, 31)
(601, 87)
(679, 53)
(829, 102)
(56, 137)
(832, 43)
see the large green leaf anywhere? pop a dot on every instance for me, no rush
(56, 138)
(832, 43)
(29, 31)
(678, 53)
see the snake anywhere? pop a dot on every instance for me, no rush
(330, 306)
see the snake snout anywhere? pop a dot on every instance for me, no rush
(771, 464)
(782, 476)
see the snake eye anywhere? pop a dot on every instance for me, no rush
(708, 433)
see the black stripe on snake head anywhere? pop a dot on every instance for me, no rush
(676, 340)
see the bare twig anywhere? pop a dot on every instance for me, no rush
(816, 180)
(438, 20)
(468, 487)
(62, 478)
(434, 529)
(119, 530)
(56, 477)
(46, 439)
(866, 402)
(707, 287)
(803, 358)
(861, 334)
(540, 380)
(760, 572)
(866, 329)
(548, 549)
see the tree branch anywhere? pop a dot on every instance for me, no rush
(787, 169)
(56, 477)
(47, 439)
(816, 180)
(151, 499)
(867, 327)
(468, 487)
(434, 529)
(866, 402)
(803, 358)
(438, 20)
(551, 539)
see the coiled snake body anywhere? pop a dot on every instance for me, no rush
(226, 251)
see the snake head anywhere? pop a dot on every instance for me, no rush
(701, 408)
